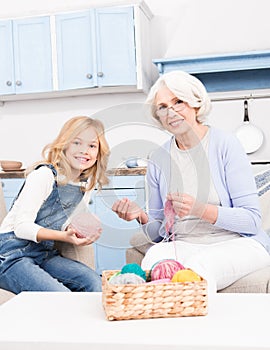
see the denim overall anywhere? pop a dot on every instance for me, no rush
(29, 266)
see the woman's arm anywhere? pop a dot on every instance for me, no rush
(239, 210)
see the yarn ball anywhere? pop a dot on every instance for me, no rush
(115, 274)
(165, 269)
(86, 224)
(134, 268)
(186, 275)
(164, 280)
(126, 278)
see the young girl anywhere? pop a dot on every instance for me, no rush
(55, 190)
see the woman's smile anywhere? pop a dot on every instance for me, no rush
(176, 122)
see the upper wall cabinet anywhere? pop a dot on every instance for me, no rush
(96, 48)
(25, 60)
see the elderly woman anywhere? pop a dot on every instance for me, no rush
(203, 203)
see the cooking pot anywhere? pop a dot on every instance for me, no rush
(250, 136)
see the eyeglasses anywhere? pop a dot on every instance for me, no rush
(163, 111)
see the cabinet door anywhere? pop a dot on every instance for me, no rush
(115, 46)
(110, 249)
(6, 59)
(75, 34)
(11, 188)
(32, 53)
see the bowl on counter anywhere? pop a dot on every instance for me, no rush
(132, 162)
(10, 165)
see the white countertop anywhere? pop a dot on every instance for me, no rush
(36, 320)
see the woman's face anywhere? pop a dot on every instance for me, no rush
(82, 151)
(179, 118)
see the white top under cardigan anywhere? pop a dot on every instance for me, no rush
(21, 218)
(194, 177)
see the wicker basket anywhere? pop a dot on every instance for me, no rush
(136, 301)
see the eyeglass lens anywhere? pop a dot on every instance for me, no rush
(163, 111)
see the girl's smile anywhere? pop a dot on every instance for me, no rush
(82, 151)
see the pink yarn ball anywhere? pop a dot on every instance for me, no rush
(86, 224)
(164, 280)
(165, 269)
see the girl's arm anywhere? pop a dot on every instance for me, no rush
(37, 188)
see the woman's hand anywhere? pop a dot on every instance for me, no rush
(128, 210)
(184, 205)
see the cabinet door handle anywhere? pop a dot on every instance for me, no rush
(18, 83)
(91, 201)
(100, 74)
(9, 83)
(89, 76)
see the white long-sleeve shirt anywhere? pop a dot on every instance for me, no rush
(21, 218)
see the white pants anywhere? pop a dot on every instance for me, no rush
(220, 263)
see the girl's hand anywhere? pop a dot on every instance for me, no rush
(128, 210)
(184, 205)
(72, 236)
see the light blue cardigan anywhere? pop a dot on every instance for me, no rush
(232, 177)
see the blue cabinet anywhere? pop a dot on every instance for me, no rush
(96, 48)
(6, 58)
(76, 57)
(25, 60)
(11, 188)
(110, 249)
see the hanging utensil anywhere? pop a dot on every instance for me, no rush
(249, 135)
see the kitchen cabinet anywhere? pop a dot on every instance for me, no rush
(25, 60)
(98, 47)
(75, 54)
(110, 248)
(96, 50)
(11, 188)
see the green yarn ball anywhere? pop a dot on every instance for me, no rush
(134, 268)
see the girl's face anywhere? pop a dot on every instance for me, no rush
(180, 117)
(82, 151)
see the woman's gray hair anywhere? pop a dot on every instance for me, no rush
(187, 88)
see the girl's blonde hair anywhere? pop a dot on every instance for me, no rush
(54, 153)
(187, 88)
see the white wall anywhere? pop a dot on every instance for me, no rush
(199, 27)
(179, 28)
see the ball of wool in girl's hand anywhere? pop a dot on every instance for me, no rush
(86, 225)
(134, 268)
(165, 269)
(186, 275)
(126, 278)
